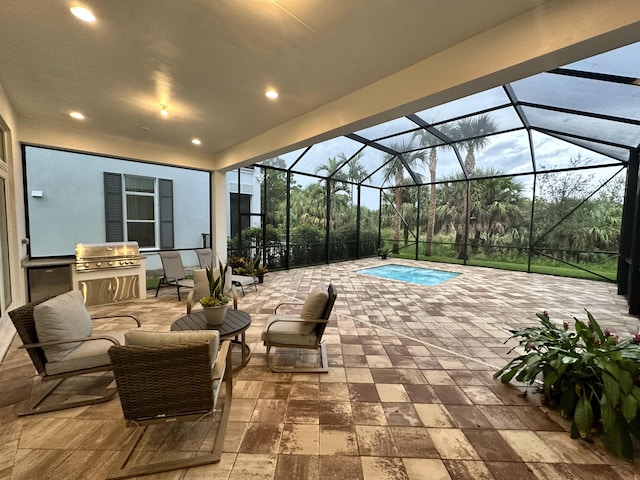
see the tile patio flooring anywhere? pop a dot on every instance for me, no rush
(409, 394)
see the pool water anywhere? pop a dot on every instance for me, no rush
(403, 273)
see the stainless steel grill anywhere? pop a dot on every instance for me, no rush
(100, 256)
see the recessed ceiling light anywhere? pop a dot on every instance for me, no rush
(271, 93)
(164, 110)
(76, 115)
(83, 14)
(196, 141)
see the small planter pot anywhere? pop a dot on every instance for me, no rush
(215, 315)
(260, 278)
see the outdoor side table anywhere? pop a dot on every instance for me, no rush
(234, 327)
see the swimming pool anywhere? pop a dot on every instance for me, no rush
(403, 273)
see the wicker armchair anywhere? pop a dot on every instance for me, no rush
(83, 354)
(166, 377)
(303, 330)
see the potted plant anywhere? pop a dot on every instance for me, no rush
(259, 271)
(590, 375)
(383, 252)
(215, 305)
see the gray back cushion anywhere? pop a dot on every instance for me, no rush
(315, 303)
(62, 318)
(146, 337)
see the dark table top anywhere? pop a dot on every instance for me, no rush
(235, 322)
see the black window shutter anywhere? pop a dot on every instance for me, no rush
(114, 227)
(165, 196)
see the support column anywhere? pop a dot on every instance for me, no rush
(219, 214)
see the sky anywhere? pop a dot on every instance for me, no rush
(510, 152)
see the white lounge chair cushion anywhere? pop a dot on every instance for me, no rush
(61, 318)
(295, 331)
(89, 354)
(243, 280)
(145, 337)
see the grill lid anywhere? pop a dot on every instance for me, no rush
(89, 251)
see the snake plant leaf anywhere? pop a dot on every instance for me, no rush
(583, 416)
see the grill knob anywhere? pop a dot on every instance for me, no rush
(86, 265)
(111, 264)
(98, 264)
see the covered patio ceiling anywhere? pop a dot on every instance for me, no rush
(527, 126)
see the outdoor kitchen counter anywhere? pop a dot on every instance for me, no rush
(48, 261)
(48, 276)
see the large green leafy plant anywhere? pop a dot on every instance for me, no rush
(590, 375)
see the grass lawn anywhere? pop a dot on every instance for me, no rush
(559, 270)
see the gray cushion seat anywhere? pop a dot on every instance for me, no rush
(89, 354)
(289, 329)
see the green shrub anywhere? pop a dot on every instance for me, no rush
(590, 375)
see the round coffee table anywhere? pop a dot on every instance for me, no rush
(233, 327)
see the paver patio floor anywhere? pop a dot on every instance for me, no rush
(409, 394)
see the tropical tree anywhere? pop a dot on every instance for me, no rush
(330, 169)
(472, 132)
(427, 140)
(497, 207)
(356, 171)
(395, 169)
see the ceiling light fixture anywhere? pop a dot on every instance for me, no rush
(164, 110)
(83, 14)
(271, 94)
(196, 141)
(76, 115)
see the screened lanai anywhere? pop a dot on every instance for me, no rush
(538, 175)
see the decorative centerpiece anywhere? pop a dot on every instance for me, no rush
(215, 305)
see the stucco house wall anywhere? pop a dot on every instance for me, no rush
(65, 196)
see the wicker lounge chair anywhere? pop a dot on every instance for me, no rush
(303, 330)
(64, 355)
(166, 377)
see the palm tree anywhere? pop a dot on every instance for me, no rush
(395, 168)
(496, 206)
(472, 132)
(356, 171)
(426, 139)
(330, 168)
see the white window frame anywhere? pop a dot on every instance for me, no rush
(156, 209)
